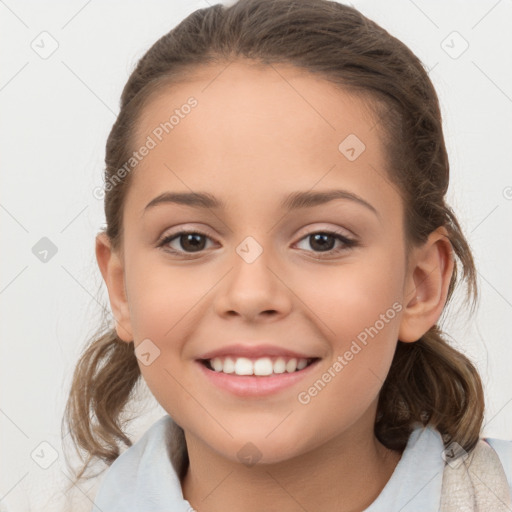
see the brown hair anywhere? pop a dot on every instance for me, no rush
(429, 381)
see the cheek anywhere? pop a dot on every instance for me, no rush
(165, 303)
(162, 319)
(349, 298)
(358, 309)
(162, 298)
(174, 391)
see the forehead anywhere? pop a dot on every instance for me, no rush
(257, 127)
(260, 98)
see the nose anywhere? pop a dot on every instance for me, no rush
(254, 290)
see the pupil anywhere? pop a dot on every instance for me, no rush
(193, 238)
(322, 236)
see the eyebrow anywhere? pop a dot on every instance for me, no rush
(294, 201)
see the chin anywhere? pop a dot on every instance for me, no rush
(253, 450)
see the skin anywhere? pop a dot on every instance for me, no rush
(258, 134)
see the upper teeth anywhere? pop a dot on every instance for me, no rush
(262, 366)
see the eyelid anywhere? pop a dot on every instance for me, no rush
(304, 232)
(315, 228)
(189, 228)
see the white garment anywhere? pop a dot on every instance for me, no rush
(142, 478)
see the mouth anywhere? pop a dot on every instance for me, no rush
(261, 367)
(256, 378)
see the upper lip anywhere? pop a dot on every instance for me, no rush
(254, 351)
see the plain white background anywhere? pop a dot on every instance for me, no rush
(56, 114)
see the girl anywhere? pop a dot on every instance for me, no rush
(278, 253)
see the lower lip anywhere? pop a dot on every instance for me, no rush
(252, 385)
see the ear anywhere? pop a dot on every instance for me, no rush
(426, 285)
(111, 267)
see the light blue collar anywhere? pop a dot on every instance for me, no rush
(142, 478)
(417, 480)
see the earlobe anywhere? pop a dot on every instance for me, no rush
(426, 285)
(111, 268)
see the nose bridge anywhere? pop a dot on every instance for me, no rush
(253, 285)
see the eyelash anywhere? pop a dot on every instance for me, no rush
(349, 243)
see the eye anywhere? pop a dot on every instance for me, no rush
(189, 242)
(323, 241)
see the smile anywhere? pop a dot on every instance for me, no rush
(262, 366)
(261, 377)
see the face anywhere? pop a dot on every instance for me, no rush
(260, 275)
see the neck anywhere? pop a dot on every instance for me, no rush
(345, 474)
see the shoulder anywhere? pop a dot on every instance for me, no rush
(504, 450)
